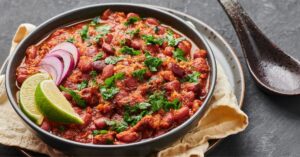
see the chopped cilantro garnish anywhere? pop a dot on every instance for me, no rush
(139, 74)
(93, 74)
(193, 78)
(152, 62)
(179, 54)
(118, 126)
(76, 97)
(158, 101)
(150, 39)
(71, 40)
(133, 33)
(111, 80)
(97, 132)
(108, 93)
(131, 20)
(102, 30)
(82, 85)
(122, 42)
(130, 51)
(171, 40)
(135, 113)
(113, 59)
(95, 21)
(98, 56)
(84, 32)
(175, 104)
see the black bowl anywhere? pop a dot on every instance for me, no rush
(141, 148)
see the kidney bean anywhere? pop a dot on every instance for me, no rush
(173, 85)
(130, 83)
(168, 51)
(152, 48)
(167, 120)
(161, 30)
(21, 78)
(177, 70)
(152, 21)
(109, 38)
(128, 136)
(92, 50)
(108, 49)
(45, 125)
(99, 65)
(104, 138)
(188, 96)
(185, 46)
(85, 64)
(67, 96)
(100, 122)
(129, 15)
(106, 14)
(108, 71)
(194, 87)
(200, 65)
(136, 44)
(200, 53)
(90, 95)
(181, 114)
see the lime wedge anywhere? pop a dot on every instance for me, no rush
(27, 101)
(54, 105)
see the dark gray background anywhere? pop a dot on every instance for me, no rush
(274, 121)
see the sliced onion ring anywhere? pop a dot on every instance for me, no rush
(69, 47)
(67, 60)
(54, 67)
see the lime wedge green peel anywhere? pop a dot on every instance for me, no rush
(27, 100)
(54, 105)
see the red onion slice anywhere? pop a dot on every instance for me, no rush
(67, 59)
(54, 67)
(69, 47)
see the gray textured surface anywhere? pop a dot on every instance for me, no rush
(274, 121)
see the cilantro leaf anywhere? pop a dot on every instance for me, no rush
(97, 132)
(82, 85)
(118, 126)
(131, 114)
(84, 32)
(152, 62)
(131, 20)
(133, 33)
(179, 54)
(93, 74)
(76, 97)
(111, 80)
(113, 59)
(71, 40)
(108, 93)
(139, 74)
(102, 30)
(175, 104)
(98, 56)
(95, 21)
(171, 40)
(150, 39)
(193, 77)
(130, 51)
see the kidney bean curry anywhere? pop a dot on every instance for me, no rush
(135, 79)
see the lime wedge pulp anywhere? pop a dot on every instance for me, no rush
(27, 100)
(52, 103)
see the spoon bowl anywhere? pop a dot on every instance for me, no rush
(273, 70)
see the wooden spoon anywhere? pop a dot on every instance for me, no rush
(272, 69)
